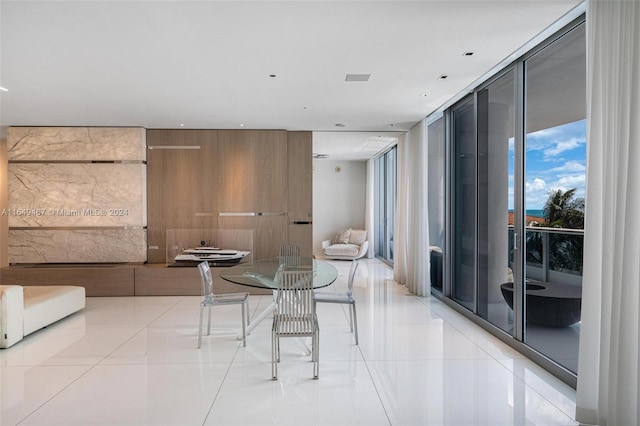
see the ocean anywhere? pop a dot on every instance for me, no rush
(532, 212)
(536, 213)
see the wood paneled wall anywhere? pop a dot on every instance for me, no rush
(300, 175)
(234, 172)
(4, 204)
(181, 184)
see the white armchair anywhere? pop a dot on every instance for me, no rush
(348, 244)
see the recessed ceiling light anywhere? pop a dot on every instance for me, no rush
(443, 76)
(241, 125)
(3, 89)
(272, 75)
(181, 124)
(423, 95)
(467, 54)
(340, 125)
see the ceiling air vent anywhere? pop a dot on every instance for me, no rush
(357, 77)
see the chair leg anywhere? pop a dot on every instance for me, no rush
(351, 318)
(244, 326)
(209, 323)
(200, 327)
(274, 364)
(248, 313)
(316, 354)
(355, 321)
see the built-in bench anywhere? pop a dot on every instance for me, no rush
(24, 310)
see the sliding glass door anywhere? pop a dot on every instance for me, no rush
(496, 189)
(385, 176)
(436, 201)
(555, 180)
(464, 208)
(518, 165)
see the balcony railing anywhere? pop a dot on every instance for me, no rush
(554, 254)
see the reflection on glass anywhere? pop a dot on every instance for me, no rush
(554, 196)
(495, 198)
(464, 223)
(435, 194)
(385, 181)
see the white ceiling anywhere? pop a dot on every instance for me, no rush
(207, 64)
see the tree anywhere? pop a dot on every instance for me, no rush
(561, 210)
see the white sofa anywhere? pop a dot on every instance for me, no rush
(348, 244)
(24, 310)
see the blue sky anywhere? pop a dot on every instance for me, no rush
(555, 159)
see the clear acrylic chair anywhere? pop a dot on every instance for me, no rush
(295, 315)
(344, 298)
(211, 299)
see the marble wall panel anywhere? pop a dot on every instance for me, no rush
(76, 143)
(77, 246)
(77, 194)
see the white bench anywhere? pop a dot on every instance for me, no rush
(24, 310)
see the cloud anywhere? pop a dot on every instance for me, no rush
(537, 141)
(544, 133)
(537, 185)
(536, 193)
(563, 146)
(567, 182)
(569, 166)
(572, 181)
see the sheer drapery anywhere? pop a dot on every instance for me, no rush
(411, 237)
(608, 381)
(369, 219)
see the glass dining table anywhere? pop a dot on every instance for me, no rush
(262, 274)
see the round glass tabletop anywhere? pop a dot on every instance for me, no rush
(261, 273)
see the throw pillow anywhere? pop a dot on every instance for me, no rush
(357, 236)
(342, 236)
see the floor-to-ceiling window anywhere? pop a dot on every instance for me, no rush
(496, 156)
(516, 212)
(385, 176)
(464, 210)
(555, 164)
(436, 200)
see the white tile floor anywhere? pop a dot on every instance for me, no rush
(134, 361)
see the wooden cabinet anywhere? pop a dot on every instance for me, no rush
(271, 172)
(236, 171)
(229, 179)
(181, 184)
(300, 175)
(300, 195)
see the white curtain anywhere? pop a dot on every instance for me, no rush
(608, 371)
(411, 232)
(369, 208)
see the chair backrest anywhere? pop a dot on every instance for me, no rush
(290, 254)
(289, 250)
(207, 278)
(295, 295)
(352, 276)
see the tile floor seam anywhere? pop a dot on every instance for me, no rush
(150, 323)
(55, 395)
(224, 378)
(493, 358)
(373, 382)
